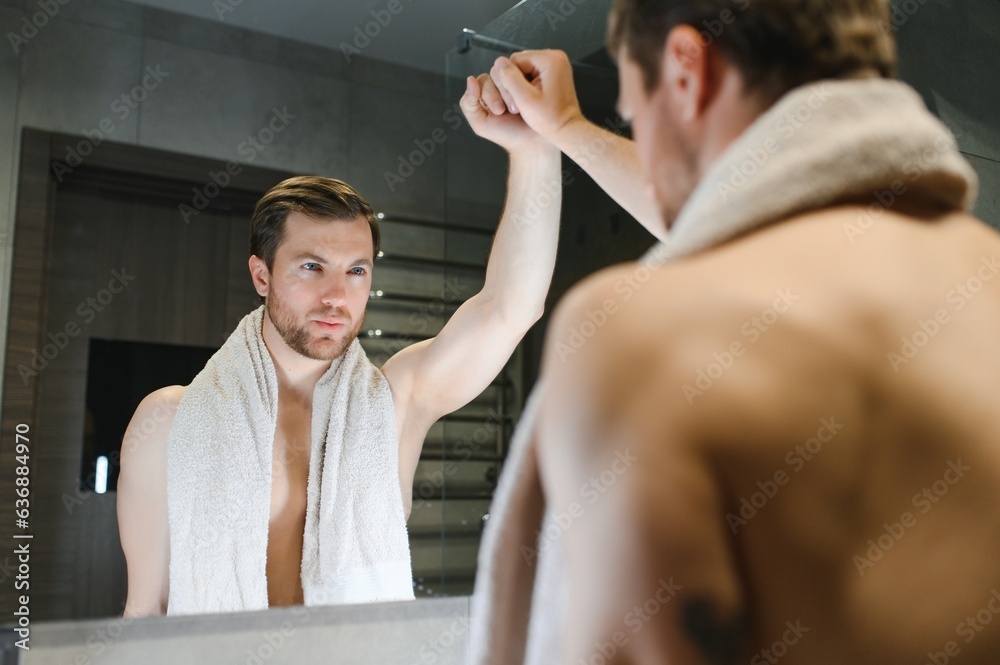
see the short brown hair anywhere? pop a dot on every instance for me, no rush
(776, 45)
(315, 196)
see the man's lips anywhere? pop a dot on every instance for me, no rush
(330, 324)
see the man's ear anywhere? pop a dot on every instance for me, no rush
(685, 70)
(260, 275)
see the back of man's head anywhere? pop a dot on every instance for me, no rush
(776, 45)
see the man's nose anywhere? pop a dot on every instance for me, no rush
(335, 289)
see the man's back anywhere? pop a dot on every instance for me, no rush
(888, 368)
(836, 393)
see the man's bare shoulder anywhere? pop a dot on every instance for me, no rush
(152, 420)
(629, 325)
(631, 311)
(708, 341)
(161, 403)
(793, 314)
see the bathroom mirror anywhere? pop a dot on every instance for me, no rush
(129, 218)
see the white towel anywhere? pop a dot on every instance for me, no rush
(825, 143)
(355, 546)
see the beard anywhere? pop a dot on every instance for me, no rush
(300, 339)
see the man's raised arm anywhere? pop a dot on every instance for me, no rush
(554, 112)
(442, 374)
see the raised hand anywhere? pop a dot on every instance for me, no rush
(487, 115)
(538, 86)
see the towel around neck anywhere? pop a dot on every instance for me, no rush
(219, 468)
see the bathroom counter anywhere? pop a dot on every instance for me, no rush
(409, 632)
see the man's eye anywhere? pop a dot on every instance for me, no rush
(311, 266)
(358, 270)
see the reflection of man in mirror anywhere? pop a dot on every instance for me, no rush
(283, 473)
(804, 369)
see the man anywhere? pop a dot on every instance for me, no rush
(314, 242)
(777, 440)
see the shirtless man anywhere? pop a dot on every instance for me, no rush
(832, 496)
(427, 379)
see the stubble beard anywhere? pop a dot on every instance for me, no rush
(298, 337)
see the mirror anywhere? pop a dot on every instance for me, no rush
(134, 187)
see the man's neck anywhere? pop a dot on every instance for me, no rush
(733, 112)
(295, 372)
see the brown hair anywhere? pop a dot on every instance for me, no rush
(323, 198)
(776, 45)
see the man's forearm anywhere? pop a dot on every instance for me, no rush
(613, 163)
(524, 249)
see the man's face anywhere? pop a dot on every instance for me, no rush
(667, 160)
(320, 282)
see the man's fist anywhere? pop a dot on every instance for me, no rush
(537, 85)
(524, 98)
(488, 117)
